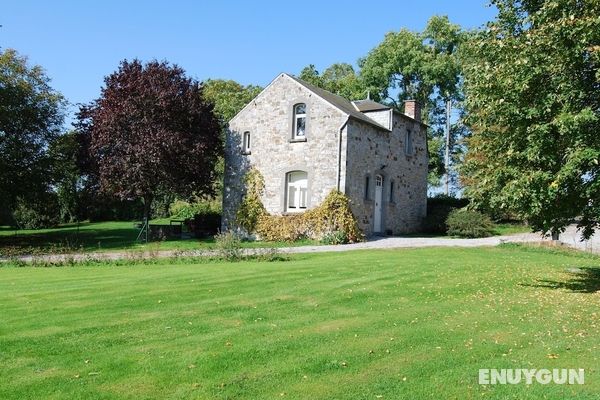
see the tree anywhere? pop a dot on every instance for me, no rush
(31, 115)
(424, 66)
(228, 96)
(339, 78)
(64, 153)
(152, 130)
(533, 97)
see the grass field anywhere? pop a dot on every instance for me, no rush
(405, 324)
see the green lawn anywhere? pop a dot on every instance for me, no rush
(403, 324)
(99, 236)
(511, 228)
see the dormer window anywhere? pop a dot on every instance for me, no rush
(246, 143)
(299, 130)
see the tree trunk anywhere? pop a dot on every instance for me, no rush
(147, 205)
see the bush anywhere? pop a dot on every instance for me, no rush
(202, 217)
(40, 214)
(438, 209)
(204, 224)
(469, 223)
(229, 246)
(180, 209)
(337, 237)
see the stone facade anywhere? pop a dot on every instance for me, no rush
(373, 152)
(340, 149)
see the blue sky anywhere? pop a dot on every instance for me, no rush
(79, 42)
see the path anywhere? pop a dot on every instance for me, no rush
(375, 243)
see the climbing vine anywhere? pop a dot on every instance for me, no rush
(251, 209)
(333, 218)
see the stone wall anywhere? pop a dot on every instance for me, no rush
(268, 118)
(374, 152)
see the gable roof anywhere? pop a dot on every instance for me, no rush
(338, 102)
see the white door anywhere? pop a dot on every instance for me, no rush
(378, 198)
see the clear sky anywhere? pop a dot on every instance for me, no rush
(78, 42)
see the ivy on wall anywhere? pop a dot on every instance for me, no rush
(331, 221)
(251, 209)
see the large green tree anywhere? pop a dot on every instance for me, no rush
(424, 66)
(228, 96)
(533, 96)
(339, 78)
(31, 116)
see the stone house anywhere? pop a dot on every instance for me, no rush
(306, 142)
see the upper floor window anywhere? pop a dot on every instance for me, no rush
(246, 143)
(299, 121)
(408, 143)
(297, 191)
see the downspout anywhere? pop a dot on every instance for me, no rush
(339, 155)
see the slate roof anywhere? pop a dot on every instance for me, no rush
(339, 102)
(369, 105)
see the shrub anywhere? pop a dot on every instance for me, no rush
(202, 217)
(337, 237)
(37, 215)
(438, 209)
(180, 209)
(229, 246)
(469, 223)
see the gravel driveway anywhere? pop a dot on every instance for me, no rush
(373, 243)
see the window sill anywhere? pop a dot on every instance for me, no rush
(297, 140)
(246, 153)
(290, 213)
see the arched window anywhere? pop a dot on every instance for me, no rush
(296, 188)
(299, 121)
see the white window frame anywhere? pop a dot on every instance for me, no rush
(246, 142)
(297, 117)
(296, 192)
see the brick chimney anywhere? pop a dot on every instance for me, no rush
(412, 109)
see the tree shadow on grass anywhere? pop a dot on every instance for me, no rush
(581, 280)
(68, 239)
